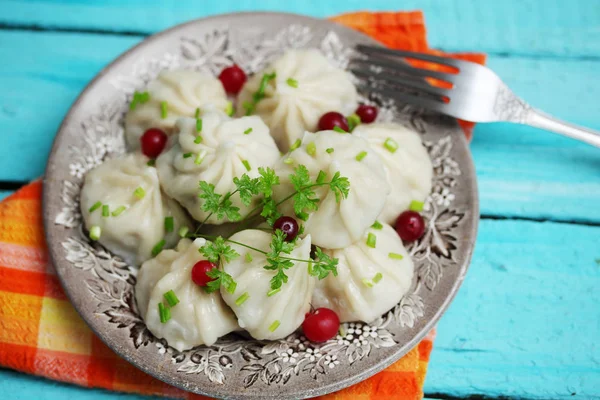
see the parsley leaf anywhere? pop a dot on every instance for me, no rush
(340, 186)
(247, 187)
(269, 210)
(305, 197)
(267, 180)
(323, 265)
(213, 251)
(220, 278)
(276, 262)
(217, 204)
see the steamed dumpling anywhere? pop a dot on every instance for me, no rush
(316, 88)
(408, 168)
(225, 151)
(259, 314)
(358, 293)
(336, 224)
(141, 225)
(199, 317)
(183, 91)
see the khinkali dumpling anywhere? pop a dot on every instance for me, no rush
(306, 86)
(228, 148)
(263, 316)
(137, 208)
(183, 92)
(199, 317)
(336, 224)
(370, 280)
(406, 163)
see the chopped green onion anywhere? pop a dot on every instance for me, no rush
(105, 210)
(321, 177)
(169, 224)
(197, 115)
(295, 145)
(367, 282)
(96, 206)
(338, 129)
(378, 276)
(274, 326)
(151, 163)
(171, 298)
(198, 139)
(139, 98)
(288, 161)
(371, 240)
(242, 299)
(187, 155)
(163, 109)
(329, 150)
(95, 232)
(247, 131)
(200, 157)
(391, 145)
(249, 107)
(198, 124)
(229, 108)
(144, 97)
(361, 155)
(376, 225)
(311, 149)
(353, 121)
(158, 247)
(247, 165)
(395, 256)
(183, 231)
(292, 82)
(139, 192)
(164, 313)
(118, 211)
(416, 206)
(310, 268)
(231, 287)
(248, 257)
(273, 292)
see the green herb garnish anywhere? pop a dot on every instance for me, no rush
(292, 82)
(248, 131)
(416, 206)
(377, 225)
(395, 256)
(96, 206)
(164, 109)
(361, 155)
(139, 192)
(371, 240)
(353, 121)
(118, 211)
(158, 247)
(95, 232)
(169, 224)
(105, 210)
(274, 326)
(164, 313)
(242, 299)
(391, 145)
(171, 298)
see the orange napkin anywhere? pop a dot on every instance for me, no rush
(41, 334)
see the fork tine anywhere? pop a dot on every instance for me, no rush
(372, 50)
(385, 62)
(406, 98)
(407, 82)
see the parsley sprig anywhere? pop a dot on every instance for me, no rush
(218, 252)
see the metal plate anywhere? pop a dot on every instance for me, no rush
(100, 285)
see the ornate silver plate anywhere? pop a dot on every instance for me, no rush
(100, 285)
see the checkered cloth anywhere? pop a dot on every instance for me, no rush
(41, 334)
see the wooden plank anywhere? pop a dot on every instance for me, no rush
(526, 321)
(551, 27)
(522, 171)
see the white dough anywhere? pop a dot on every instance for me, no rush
(199, 317)
(289, 111)
(346, 293)
(409, 168)
(259, 311)
(224, 147)
(336, 224)
(183, 91)
(134, 232)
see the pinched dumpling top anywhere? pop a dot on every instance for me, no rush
(407, 165)
(305, 86)
(215, 151)
(122, 198)
(338, 222)
(171, 95)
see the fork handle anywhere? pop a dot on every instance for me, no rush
(540, 119)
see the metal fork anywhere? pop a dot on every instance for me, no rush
(477, 93)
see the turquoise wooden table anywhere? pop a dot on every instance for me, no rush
(526, 323)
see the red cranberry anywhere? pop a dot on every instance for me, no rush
(153, 142)
(321, 325)
(288, 226)
(366, 113)
(410, 226)
(200, 270)
(331, 119)
(233, 78)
